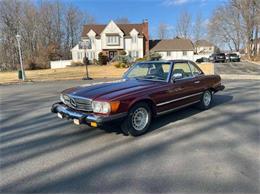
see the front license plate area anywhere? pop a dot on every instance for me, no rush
(93, 124)
(76, 121)
(60, 115)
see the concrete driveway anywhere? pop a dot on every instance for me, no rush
(237, 68)
(189, 151)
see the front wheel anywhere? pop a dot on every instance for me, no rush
(206, 100)
(138, 120)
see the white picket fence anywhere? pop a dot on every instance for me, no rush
(60, 64)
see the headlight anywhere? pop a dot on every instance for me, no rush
(105, 107)
(101, 107)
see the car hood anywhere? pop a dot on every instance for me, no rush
(111, 90)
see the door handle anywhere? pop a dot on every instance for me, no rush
(197, 82)
(174, 90)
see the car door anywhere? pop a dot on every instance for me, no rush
(199, 81)
(180, 91)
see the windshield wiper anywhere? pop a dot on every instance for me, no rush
(153, 77)
(150, 77)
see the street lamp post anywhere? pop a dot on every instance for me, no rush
(18, 38)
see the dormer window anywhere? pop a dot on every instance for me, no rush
(112, 39)
(91, 42)
(134, 39)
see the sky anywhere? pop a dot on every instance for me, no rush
(156, 11)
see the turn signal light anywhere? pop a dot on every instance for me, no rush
(114, 106)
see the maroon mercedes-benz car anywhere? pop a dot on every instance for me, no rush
(147, 90)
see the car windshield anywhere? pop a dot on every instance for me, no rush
(233, 55)
(158, 71)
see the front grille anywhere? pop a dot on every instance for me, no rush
(78, 103)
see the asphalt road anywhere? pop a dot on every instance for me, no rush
(189, 151)
(237, 68)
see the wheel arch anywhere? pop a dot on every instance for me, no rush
(146, 100)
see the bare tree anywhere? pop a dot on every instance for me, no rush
(162, 31)
(9, 26)
(73, 23)
(49, 30)
(183, 25)
(29, 32)
(225, 27)
(198, 27)
(249, 12)
(88, 19)
(122, 20)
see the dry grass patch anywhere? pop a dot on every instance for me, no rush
(69, 73)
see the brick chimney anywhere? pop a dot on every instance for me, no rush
(146, 36)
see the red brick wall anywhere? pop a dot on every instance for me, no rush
(146, 37)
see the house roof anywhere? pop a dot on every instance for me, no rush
(203, 43)
(176, 44)
(126, 28)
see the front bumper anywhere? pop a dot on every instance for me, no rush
(219, 88)
(82, 117)
(234, 60)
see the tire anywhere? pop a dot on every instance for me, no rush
(131, 125)
(206, 100)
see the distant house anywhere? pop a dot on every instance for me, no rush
(113, 38)
(170, 49)
(204, 47)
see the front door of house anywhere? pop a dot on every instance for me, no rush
(112, 54)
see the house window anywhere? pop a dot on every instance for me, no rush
(184, 53)
(91, 42)
(79, 55)
(134, 54)
(90, 55)
(113, 40)
(134, 39)
(168, 53)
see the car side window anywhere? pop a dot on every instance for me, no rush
(182, 68)
(195, 71)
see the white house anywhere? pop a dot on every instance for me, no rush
(113, 38)
(204, 47)
(171, 49)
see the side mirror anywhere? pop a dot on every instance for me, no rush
(177, 76)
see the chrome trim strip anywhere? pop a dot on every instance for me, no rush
(175, 100)
(79, 97)
(179, 107)
(70, 97)
(59, 108)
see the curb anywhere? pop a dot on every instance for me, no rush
(59, 80)
(239, 77)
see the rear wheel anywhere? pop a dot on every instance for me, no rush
(138, 120)
(206, 100)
